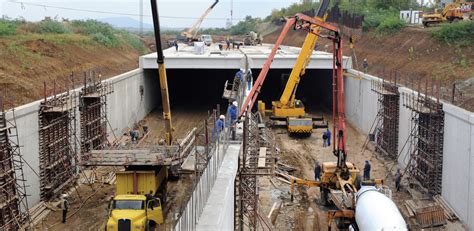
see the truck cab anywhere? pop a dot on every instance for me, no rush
(207, 39)
(134, 213)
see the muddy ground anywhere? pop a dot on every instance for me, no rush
(306, 213)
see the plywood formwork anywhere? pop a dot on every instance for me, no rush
(13, 201)
(57, 154)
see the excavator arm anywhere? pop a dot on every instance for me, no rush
(192, 31)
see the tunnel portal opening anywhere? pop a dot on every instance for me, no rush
(201, 89)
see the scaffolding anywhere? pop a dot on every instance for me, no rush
(93, 113)
(57, 152)
(387, 121)
(258, 158)
(13, 200)
(426, 140)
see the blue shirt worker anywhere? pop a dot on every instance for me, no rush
(233, 112)
(328, 135)
(219, 127)
(367, 168)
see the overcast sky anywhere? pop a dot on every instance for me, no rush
(168, 8)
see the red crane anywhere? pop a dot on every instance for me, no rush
(301, 21)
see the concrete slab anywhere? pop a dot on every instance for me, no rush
(213, 58)
(218, 214)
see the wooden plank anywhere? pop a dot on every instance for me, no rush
(262, 157)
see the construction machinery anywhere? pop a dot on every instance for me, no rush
(253, 38)
(190, 35)
(137, 203)
(288, 108)
(141, 189)
(452, 12)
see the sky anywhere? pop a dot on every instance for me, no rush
(184, 11)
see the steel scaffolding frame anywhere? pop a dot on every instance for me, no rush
(255, 137)
(93, 113)
(426, 140)
(13, 199)
(386, 129)
(58, 157)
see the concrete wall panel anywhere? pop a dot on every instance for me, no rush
(458, 157)
(125, 106)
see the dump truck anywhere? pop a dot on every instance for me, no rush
(137, 201)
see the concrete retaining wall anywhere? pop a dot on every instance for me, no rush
(458, 156)
(125, 107)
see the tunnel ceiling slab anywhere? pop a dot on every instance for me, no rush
(213, 58)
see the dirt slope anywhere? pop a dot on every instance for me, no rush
(413, 53)
(28, 61)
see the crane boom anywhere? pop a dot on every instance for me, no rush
(250, 100)
(192, 31)
(162, 74)
(287, 99)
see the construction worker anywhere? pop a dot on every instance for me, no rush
(149, 196)
(219, 126)
(328, 135)
(232, 110)
(325, 139)
(176, 45)
(365, 65)
(317, 171)
(64, 206)
(367, 168)
(398, 179)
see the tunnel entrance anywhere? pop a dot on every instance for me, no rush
(201, 89)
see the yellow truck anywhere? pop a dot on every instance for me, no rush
(137, 202)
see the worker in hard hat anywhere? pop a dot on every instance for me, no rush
(232, 110)
(64, 206)
(219, 126)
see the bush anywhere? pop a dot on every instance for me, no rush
(133, 41)
(389, 26)
(461, 33)
(102, 33)
(49, 26)
(7, 27)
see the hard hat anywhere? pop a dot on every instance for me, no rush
(63, 196)
(235, 103)
(222, 117)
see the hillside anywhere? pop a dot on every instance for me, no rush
(413, 53)
(30, 58)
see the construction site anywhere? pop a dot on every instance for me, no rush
(241, 135)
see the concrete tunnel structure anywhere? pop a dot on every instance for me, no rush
(196, 78)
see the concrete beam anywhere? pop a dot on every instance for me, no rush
(213, 58)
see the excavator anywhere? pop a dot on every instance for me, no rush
(191, 34)
(288, 108)
(452, 12)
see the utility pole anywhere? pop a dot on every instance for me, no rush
(141, 18)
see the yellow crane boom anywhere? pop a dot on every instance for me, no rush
(163, 79)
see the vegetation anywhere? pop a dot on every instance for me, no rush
(61, 31)
(7, 27)
(461, 33)
(388, 26)
(49, 26)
